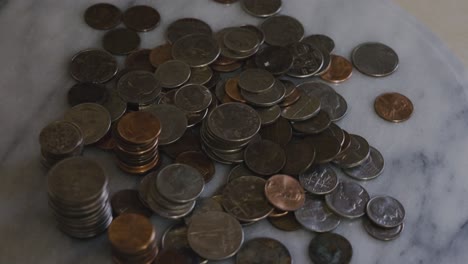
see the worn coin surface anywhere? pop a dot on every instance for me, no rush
(60, 137)
(92, 119)
(261, 8)
(231, 88)
(305, 108)
(315, 215)
(93, 65)
(257, 31)
(264, 157)
(393, 107)
(330, 248)
(200, 75)
(102, 16)
(197, 50)
(357, 152)
(139, 60)
(179, 183)
(204, 205)
(186, 26)
(128, 201)
(199, 161)
(141, 18)
(327, 147)
(370, 169)
(188, 142)
(241, 39)
(319, 179)
(330, 101)
(239, 171)
(279, 132)
(173, 73)
(177, 256)
(300, 155)
(375, 59)
(308, 60)
(348, 200)
(313, 125)
(215, 235)
(115, 105)
(380, 233)
(275, 59)
(320, 41)
(139, 87)
(263, 250)
(282, 30)
(131, 233)
(286, 223)
(175, 237)
(385, 211)
(121, 41)
(87, 93)
(193, 98)
(340, 70)
(269, 115)
(160, 54)
(268, 98)
(139, 128)
(256, 80)
(173, 122)
(284, 192)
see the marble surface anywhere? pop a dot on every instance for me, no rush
(425, 156)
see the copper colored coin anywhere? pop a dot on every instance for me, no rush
(284, 192)
(339, 71)
(221, 60)
(141, 18)
(300, 155)
(277, 213)
(286, 223)
(188, 142)
(161, 54)
(128, 201)
(233, 90)
(199, 161)
(176, 256)
(279, 132)
(139, 169)
(131, 233)
(139, 60)
(227, 68)
(292, 98)
(102, 16)
(107, 142)
(393, 107)
(139, 127)
(121, 41)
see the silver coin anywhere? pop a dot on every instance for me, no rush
(356, 154)
(239, 171)
(186, 26)
(241, 39)
(306, 107)
(313, 88)
(228, 53)
(385, 211)
(93, 120)
(320, 41)
(334, 104)
(257, 31)
(196, 50)
(139, 87)
(314, 125)
(173, 122)
(200, 75)
(175, 237)
(261, 8)
(315, 215)
(195, 118)
(193, 98)
(282, 30)
(380, 233)
(348, 200)
(173, 73)
(370, 169)
(204, 205)
(115, 105)
(335, 131)
(268, 98)
(269, 115)
(375, 59)
(256, 80)
(93, 65)
(308, 60)
(319, 179)
(60, 137)
(179, 183)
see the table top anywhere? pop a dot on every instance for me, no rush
(424, 156)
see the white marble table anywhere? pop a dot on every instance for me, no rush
(425, 156)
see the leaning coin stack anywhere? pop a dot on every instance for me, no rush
(78, 195)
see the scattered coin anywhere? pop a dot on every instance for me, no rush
(186, 26)
(305, 108)
(315, 215)
(330, 101)
(86, 93)
(228, 53)
(330, 248)
(92, 119)
(241, 40)
(128, 201)
(231, 89)
(286, 223)
(193, 98)
(256, 80)
(179, 183)
(226, 2)
(308, 60)
(292, 98)
(279, 132)
(199, 161)
(340, 70)
(200, 75)
(327, 147)
(355, 155)
(141, 18)
(269, 115)
(93, 65)
(370, 169)
(348, 200)
(173, 73)
(102, 16)
(275, 59)
(121, 41)
(263, 250)
(261, 8)
(264, 157)
(266, 99)
(160, 54)
(140, 88)
(177, 256)
(385, 211)
(299, 157)
(282, 30)
(257, 31)
(239, 171)
(139, 60)
(196, 50)
(380, 233)
(320, 41)
(175, 236)
(393, 107)
(319, 180)
(284, 192)
(227, 68)
(375, 59)
(115, 105)
(314, 125)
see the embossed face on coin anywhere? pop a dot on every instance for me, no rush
(348, 200)
(393, 107)
(385, 211)
(284, 192)
(315, 215)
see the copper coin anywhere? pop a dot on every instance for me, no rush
(139, 127)
(121, 41)
(286, 223)
(128, 201)
(141, 18)
(199, 161)
(227, 68)
(284, 192)
(300, 155)
(188, 142)
(139, 60)
(339, 71)
(292, 98)
(102, 16)
(393, 107)
(279, 132)
(221, 60)
(176, 256)
(161, 54)
(277, 213)
(233, 90)
(131, 233)
(139, 169)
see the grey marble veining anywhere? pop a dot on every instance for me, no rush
(425, 157)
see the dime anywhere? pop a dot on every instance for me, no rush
(139, 128)
(263, 250)
(393, 107)
(275, 59)
(92, 119)
(93, 65)
(284, 192)
(300, 155)
(264, 157)
(315, 216)
(139, 87)
(86, 93)
(370, 169)
(241, 40)
(314, 125)
(141, 18)
(355, 155)
(200, 75)
(188, 142)
(279, 132)
(330, 248)
(305, 108)
(186, 26)
(256, 80)
(173, 122)
(239, 171)
(327, 147)
(160, 54)
(385, 211)
(121, 41)
(193, 98)
(375, 59)
(380, 233)
(268, 98)
(215, 235)
(320, 41)
(199, 161)
(102, 16)
(115, 105)
(140, 60)
(60, 137)
(348, 200)
(261, 8)
(308, 60)
(196, 50)
(128, 201)
(282, 30)
(173, 73)
(286, 223)
(179, 183)
(319, 180)
(269, 115)
(340, 70)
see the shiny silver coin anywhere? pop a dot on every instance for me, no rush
(319, 179)
(173, 73)
(308, 60)
(200, 75)
(268, 98)
(93, 120)
(320, 41)
(186, 26)
(315, 216)
(263, 250)
(380, 233)
(282, 30)
(60, 138)
(115, 105)
(269, 115)
(256, 80)
(241, 39)
(370, 169)
(180, 183)
(196, 50)
(348, 200)
(93, 65)
(173, 122)
(314, 125)
(139, 87)
(385, 211)
(375, 59)
(239, 171)
(193, 98)
(261, 8)
(277, 60)
(305, 108)
(356, 154)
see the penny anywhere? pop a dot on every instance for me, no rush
(188, 142)
(227, 68)
(199, 161)
(340, 70)
(257, 31)
(300, 155)
(92, 119)
(282, 30)
(173, 122)
(348, 200)
(275, 59)
(141, 18)
(86, 93)
(128, 201)
(315, 216)
(305, 108)
(196, 50)
(131, 233)
(177, 256)
(193, 98)
(60, 137)
(279, 132)
(139, 60)
(93, 65)
(313, 125)
(380, 233)
(375, 59)
(286, 223)
(239, 171)
(215, 235)
(393, 107)
(115, 105)
(139, 87)
(256, 80)
(319, 179)
(173, 73)
(160, 54)
(308, 60)
(232, 89)
(261, 8)
(385, 211)
(139, 127)
(241, 40)
(330, 248)
(200, 75)
(107, 142)
(102, 16)
(269, 115)
(355, 155)
(266, 99)
(179, 183)
(121, 41)
(284, 192)
(263, 250)
(186, 26)
(370, 169)
(320, 41)
(246, 206)
(264, 157)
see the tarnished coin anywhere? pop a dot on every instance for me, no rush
(92, 119)
(141, 18)
(241, 39)
(286, 223)
(269, 115)
(239, 171)
(193, 98)
(102, 16)
(264, 157)
(204, 205)
(186, 26)
(248, 206)
(275, 59)
(121, 41)
(308, 60)
(179, 183)
(60, 137)
(355, 155)
(232, 90)
(228, 53)
(175, 237)
(340, 70)
(330, 101)
(319, 180)
(330, 248)
(257, 31)
(196, 50)
(87, 93)
(188, 142)
(261, 8)
(292, 98)
(300, 155)
(199, 161)
(134, 226)
(305, 108)
(128, 201)
(393, 107)
(227, 68)
(173, 122)
(335, 131)
(284, 192)
(385, 211)
(256, 80)
(115, 105)
(327, 147)
(200, 75)
(266, 99)
(173, 73)
(279, 132)
(263, 250)
(370, 169)
(160, 54)
(315, 215)
(215, 235)
(313, 125)
(282, 30)
(139, 87)
(139, 128)
(375, 59)
(348, 200)
(177, 256)
(380, 233)
(320, 41)
(139, 60)
(93, 65)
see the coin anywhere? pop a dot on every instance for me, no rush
(275, 59)
(256, 80)
(284, 192)
(227, 68)
(175, 236)
(327, 147)
(257, 31)
(380, 233)
(60, 137)
(263, 250)
(139, 127)
(239, 171)
(200, 75)
(92, 119)
(196, 50)
(286, 223)
(177, 256)
(385, 211)
(330, 101)
(115, 105)
(305, 108)
(340, 70)
(299, 157)
(131, 233)
(269, 115)
(226, 2)
(186, 26)
(213, 81)
(224, 61)
(282, 30)
(330, 248)
(228, 53)
(141, 18)
(375, 59)
(188, 142)
(315, 215)
(308, 60)
(93, 65)
(173, 122)
(139, 60)
(102, 16)
(232, 89)
(179, 183)
(128, 201)
(266, 99)
(262, 8)
(160, 54)
(199, 161)
(279, 132)
(319, 179)
(204, 205)
(348, 200)
(355, 155)
(292, 98)
(314, 125)
(393, 107)
(121, 41)
(215, 235)
(173, 73)
(193, 98)
(370, 169)
(264, 157)
(320, 41)
(139, 87)
(241, 39)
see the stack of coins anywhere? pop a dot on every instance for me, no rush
(172, 192)
(136, 137)
(78, 195)
(60, 140)
(133, 239)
